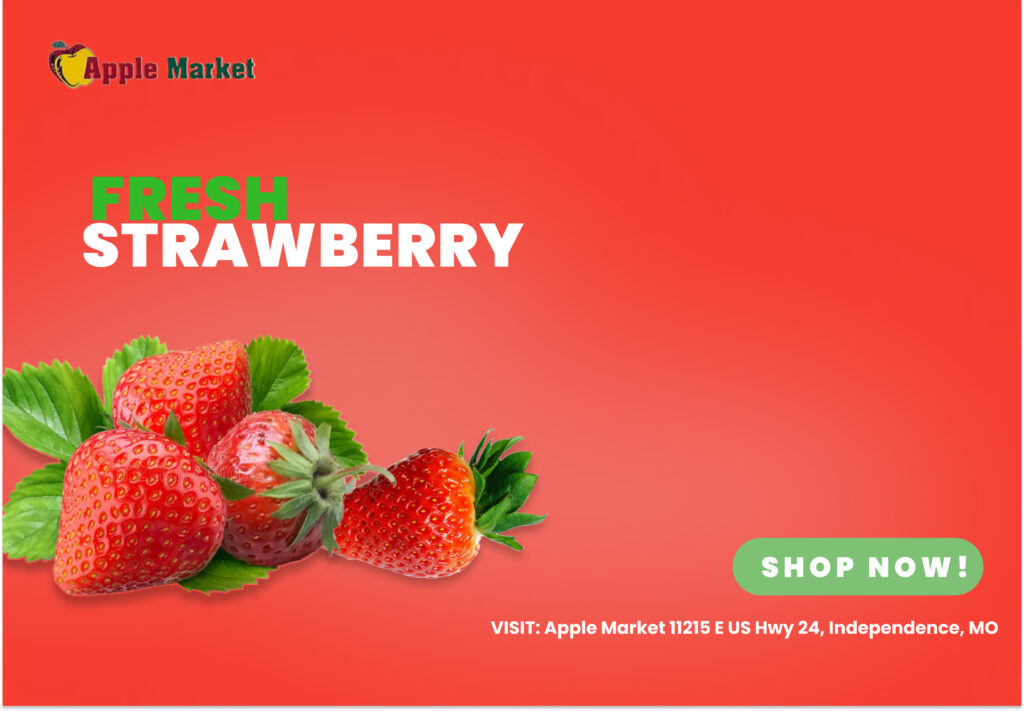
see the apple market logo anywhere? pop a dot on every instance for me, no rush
(68, 64)
(78, 65)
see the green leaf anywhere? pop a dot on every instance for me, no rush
(505, 541)
(293, 507)
(481, 486)
(493, 453)
(279, 372)
(517, 483)
(291, 461)
(292, 471)
(32, 515)
(46, 481)
(520, 488)
(491, 516)
(502, 486)
(480, 444)
(515, 462)
(172, 429)
(332, 519)
(322, 441)
(289, 489)
(230, 489)
(304, 445)
(313, 515)
(343, 443)
(130, 354)
(514, 520)
(225, 573)
(52, 408)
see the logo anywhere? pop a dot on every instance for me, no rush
(68, 64)
(77, 66)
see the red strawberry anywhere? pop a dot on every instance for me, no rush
(429, 524)
(208, 388)
(137, 510)
(279, 455)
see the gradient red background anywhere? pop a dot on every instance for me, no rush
(768, 285)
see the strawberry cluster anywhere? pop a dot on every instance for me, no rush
(205, 469)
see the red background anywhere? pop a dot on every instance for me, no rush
(768, 285)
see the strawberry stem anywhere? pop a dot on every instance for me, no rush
(502, 487)
(318, 483)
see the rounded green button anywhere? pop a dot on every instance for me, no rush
(857, 566)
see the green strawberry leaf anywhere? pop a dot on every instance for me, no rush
(130, 354)
(32, 515)
(293, 507)
(505, 541)
(288, 490)
(225, 573)
(231, 490)
(491, 516)
(515, 520)
(172, 429)
(279, 372)
(503, 485)
(52, 408)
(343, 443)
(332, 519)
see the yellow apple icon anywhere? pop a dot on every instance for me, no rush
(68, 64)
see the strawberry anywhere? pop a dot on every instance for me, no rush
(429, 523)
(279, 455)
(208, 388)
(137, 510)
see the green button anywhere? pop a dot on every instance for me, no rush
(857, 566)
